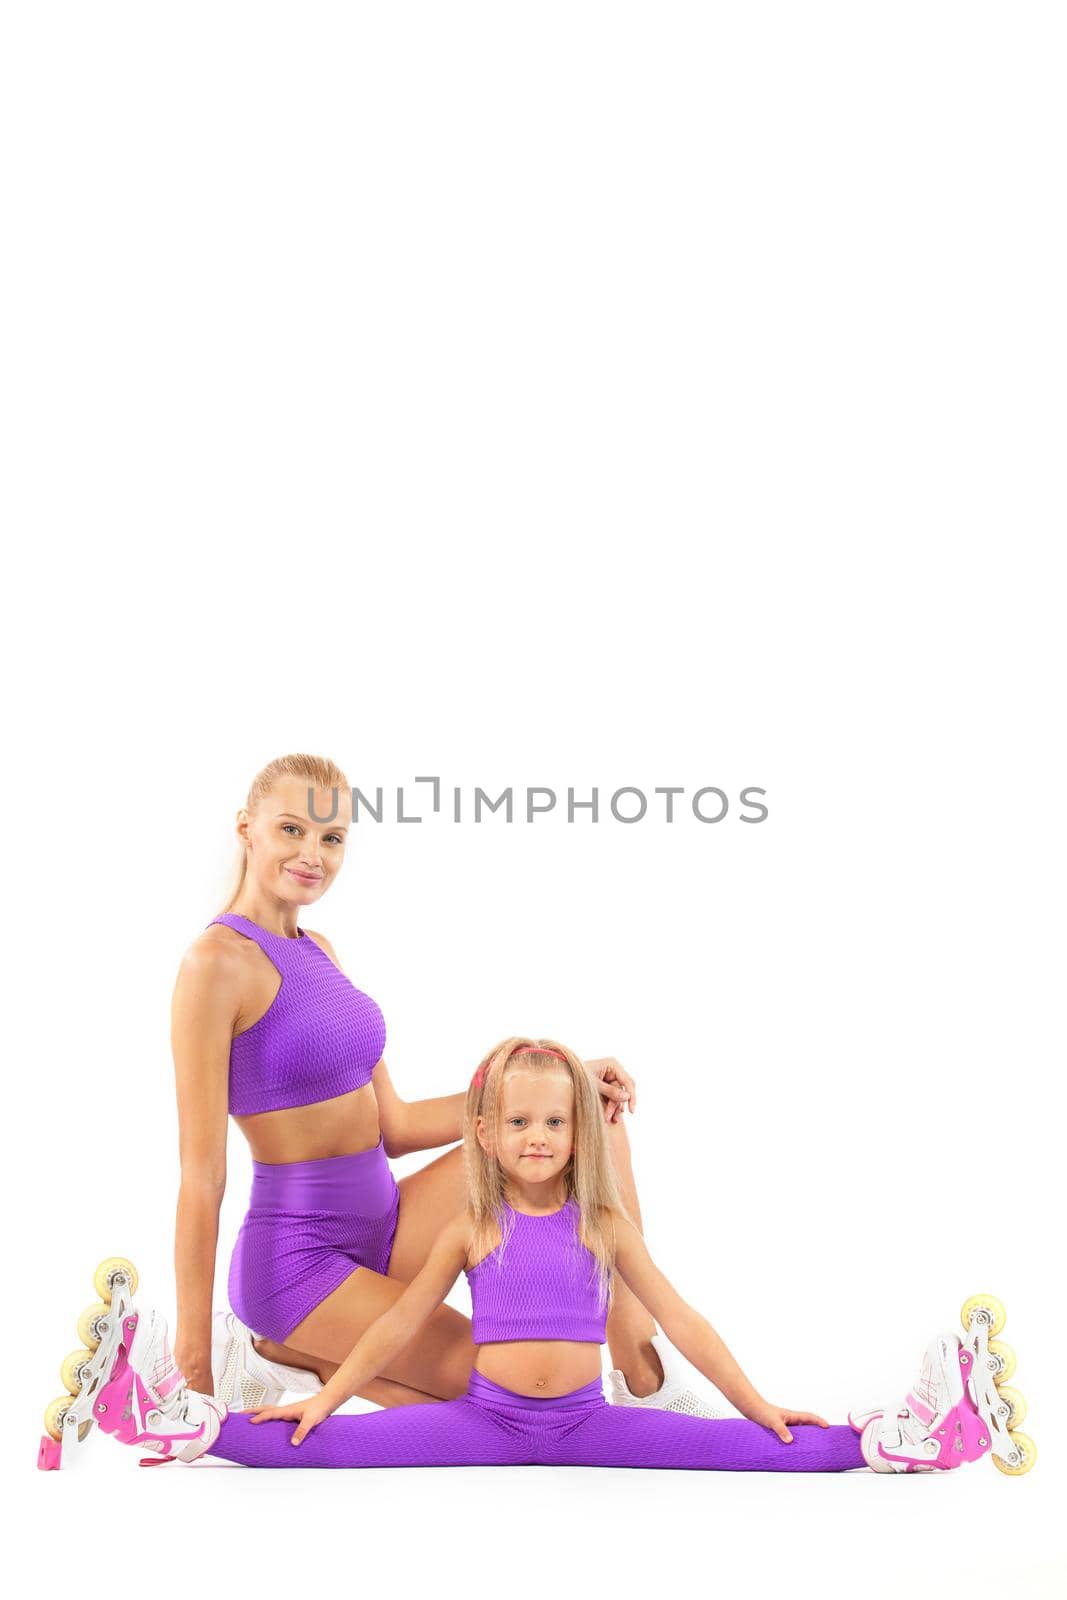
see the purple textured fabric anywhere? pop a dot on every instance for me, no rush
(493, 1427)
(538, 1283)
(309, 1225)
(319, 1037)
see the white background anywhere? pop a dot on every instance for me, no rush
(562, 395)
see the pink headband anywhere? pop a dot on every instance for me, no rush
(526, 1050)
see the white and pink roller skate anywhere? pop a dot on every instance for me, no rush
(125, 1381)
(959, 1408)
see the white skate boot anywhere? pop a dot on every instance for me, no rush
(244, 1378)
(958, 1409)
(128, 1384)
(673, 1393)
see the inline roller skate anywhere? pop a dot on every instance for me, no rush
(960, 1407)
(124, 1380)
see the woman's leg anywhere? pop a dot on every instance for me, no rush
(295, 1280)
(437, 1363)
(379, 1391)
(630, 1328)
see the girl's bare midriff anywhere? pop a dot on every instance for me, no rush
(541, 1368)
(339, 1127)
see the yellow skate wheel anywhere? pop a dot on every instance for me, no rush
(1016, 1404)
(1005, 1355)
(1027, 1456)
(71, 1370)
(89, 1324)
(988, 1308)
(108, 1270)
(54, 1414)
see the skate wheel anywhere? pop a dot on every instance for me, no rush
(988, 1309)
(108, 1271)
(1016, 1406)
(1027, 1451)
(1004, 1355)
(53, 1417)
(72, 1371)
(90, 1330)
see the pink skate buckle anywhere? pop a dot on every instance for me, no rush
(49, 1454)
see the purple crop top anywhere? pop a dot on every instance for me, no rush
(538, 1284)
(319, 1037)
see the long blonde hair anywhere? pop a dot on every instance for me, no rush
(320, 772)
(589, 1175)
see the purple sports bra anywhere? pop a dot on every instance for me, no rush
(540, 1283)
(319, 1037)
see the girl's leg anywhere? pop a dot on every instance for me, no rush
(455, 1434)
(615, 1436)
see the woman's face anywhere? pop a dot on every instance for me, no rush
(535, 1139)
(291, 856)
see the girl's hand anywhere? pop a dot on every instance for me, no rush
(616, 1086)
(776, 1418)
(307, 1414)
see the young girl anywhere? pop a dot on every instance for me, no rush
(542, 1237)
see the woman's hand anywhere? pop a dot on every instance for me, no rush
(307, 1414)
(616, 1086)
(194, 1364)
(776, 1418)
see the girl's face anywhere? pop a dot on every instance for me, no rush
(292, 857)
(535, 1139)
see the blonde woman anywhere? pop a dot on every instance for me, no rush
(545, 1243)
(268, 1029)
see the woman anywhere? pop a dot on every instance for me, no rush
(266, 1027)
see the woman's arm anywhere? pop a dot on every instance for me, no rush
(426, 1124)
(388, 1335)
(418, 1124)
(203, 1009)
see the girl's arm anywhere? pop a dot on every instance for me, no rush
(204, 1006)
(687, 1330)
(694, 1335)
(388, 1335)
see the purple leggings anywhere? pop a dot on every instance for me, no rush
(492, 1427)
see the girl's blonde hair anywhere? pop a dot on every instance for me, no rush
(320, 773)
(589, 1175)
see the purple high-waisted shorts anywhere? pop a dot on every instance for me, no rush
(309, 1225)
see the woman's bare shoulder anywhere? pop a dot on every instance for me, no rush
(217, 955)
